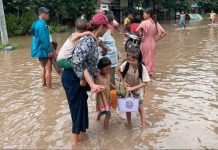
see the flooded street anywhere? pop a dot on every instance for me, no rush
(181, 102)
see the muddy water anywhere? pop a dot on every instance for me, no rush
(181, 102)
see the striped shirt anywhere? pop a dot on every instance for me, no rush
(109, 43)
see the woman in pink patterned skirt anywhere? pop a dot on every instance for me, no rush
(151, 32)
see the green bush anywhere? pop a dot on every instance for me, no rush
(58, 28)
(13, 27)
(20, 25)
(17, 26)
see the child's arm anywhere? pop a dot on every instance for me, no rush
(112, 86)
(77, 36)
(121, 78)
(130, 89)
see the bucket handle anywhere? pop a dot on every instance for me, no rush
(129, 93)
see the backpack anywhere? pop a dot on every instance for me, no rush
(140, 69)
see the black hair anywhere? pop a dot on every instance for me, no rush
(136, 20)
(104, 62)
(110, 17)
(150, 11)
(91, 27)
(81, 24)
(136, 52)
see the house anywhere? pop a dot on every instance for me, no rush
(120, 8)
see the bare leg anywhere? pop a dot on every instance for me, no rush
(106, 120)
(43, 76)
(142, 115)
(75, 139)
(128, 117)
(48, 69)
(98, 116)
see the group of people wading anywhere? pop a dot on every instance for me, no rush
(90, 59)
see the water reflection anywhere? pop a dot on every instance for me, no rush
(181, 102)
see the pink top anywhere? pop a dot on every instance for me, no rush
(150, 30)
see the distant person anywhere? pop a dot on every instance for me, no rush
(151, 31)
(127, 23)
(135, 23)
(115, 24)
(41, 46)
(182, 20)
(212, 17)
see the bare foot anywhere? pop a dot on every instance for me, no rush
(75, 139)
(128, 125)
(83, 136)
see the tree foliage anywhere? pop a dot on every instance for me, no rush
(58, 8)
(20, 14)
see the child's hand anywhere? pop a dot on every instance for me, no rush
(51, 54)
(125, 84)
(92, 35)
(83, 82)
(129, 89)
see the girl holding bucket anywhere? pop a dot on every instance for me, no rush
(135, 76)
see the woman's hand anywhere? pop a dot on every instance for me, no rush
(83, 82)
(51, 54)
(97, 88)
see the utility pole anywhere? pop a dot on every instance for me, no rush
(3, 29)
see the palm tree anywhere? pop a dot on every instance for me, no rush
(3, 29)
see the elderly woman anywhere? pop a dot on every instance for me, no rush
(84, 60)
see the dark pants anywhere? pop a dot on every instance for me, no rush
(77, 100)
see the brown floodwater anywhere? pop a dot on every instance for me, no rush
(181, 102)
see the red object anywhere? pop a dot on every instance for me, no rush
(100, 19)
(133, 27)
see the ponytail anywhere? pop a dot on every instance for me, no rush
(150, 11)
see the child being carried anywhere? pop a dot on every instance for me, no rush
(66, 51)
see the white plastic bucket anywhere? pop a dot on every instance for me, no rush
(128, 104)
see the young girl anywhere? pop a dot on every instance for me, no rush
(103, 104)
(135, 76)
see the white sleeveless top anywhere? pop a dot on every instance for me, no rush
(66, 50)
